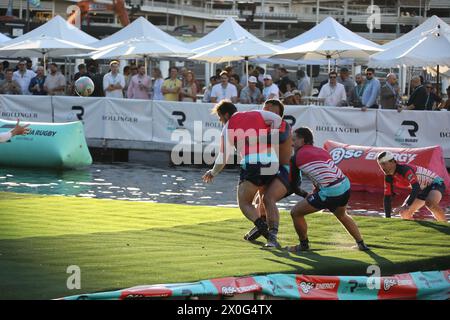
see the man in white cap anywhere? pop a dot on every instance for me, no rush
(271, 90)
(251, 94)
(427, 187)
(113, 81)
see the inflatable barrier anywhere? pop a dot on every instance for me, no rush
(360, 165)
(430, 285)
(47, 145)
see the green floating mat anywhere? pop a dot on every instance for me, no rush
(48, 145)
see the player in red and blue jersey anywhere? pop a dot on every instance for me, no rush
(332, 189)
(427, 188)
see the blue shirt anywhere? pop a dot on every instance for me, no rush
(371, 92)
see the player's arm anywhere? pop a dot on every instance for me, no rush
(222, 157)
(415, 187)
(388, 192)
(18, 130)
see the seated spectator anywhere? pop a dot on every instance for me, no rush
(251, 94)
(390, 93)
(37, 83)
(207, 94)
(157, 84)
(140, 85)
(297, 97)
(9, 85)
(55, 82)
(418, 98)
(271, 90)
(171, 87)
(224, 90)
(234, 79)
(355, 98)
(189, 91)
(333, 93)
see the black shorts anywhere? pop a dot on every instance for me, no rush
(434, 186)
(330, 203)
(283, 176)
(252, 173)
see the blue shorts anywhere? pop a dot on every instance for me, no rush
(438, 185)
(331, 197)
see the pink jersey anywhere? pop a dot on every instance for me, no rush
(317, 165)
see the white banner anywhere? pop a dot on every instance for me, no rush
(413, 129)
(26, 108)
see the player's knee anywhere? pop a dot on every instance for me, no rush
(430, 203)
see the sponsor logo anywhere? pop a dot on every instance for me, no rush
(118, 117)
(337, 129)
(406, 134)
(21, 115)
(290, 119)
(443, 134)
(339, 154)
(390, 283)
(400, 157)
(229, 291)
(46, 133)
(306, 287)
(177, 121)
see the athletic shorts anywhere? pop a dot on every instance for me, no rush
(283, 176)
(252, 173)
(330, 203)
(434, 186)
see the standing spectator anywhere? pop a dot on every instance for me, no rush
(390, 93)
(97, 79)
(333, 93)
(29, 64)
(244, 79)
(140, 85)
(128, 73)
(172, 86)
(2, 72)
(433, 100)
(9, 85)
(207, 94)
(224, 90)
(251, 94)
(113, 81)
(82, 71)
(23, 76)
(261, 73)
(157, 84)
(234, 79)
(189, 90)
(418, 98)
(36, 86)
(284, 83)
(371, 92)
(355, 98)
(345, 79)
(446, 105)
(304, 83)
(55, 82)
(271, 90)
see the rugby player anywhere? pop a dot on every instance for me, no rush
(17, 130)
(427, 187)
(246, 131)
(332, 189)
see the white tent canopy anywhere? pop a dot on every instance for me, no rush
(429, 24)
(429, 49)
(328, 28)
(139, 28)
(56, 28)
(229, 30)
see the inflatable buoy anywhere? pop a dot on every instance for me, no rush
(47, 145)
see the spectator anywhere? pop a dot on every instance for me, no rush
(29, 64)
(297, 97)
(288, 98)
(97, 79)
(355, 98)
(2, 73)
(304, 83)
(433, 100)
(207, 94)
(333, 93)
(261, 73)
(23, 76)
(230, 70)
(271, 90)
(224, 90)
(251, 94)
(259, 84)
(82, 71)
(234, 79)
(189, 91)
(36, 86)
(345, 79)
(418, 98)
(446, 105)
(140, 85)
(171, 87)
(127, 75)
(157, 84)
(371, 92)
(244, 79)
(55, 82)
(113, 81)
(390, 93)
(9, 85)
(284, 83)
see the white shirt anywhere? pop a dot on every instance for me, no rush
(333, 95)
(272, 89)
(110, 79)
(157, 85)
(221, 93)
(5, 136)
(24, 80)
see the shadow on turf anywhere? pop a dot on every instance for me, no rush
(445, 229)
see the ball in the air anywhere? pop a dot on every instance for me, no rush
(84, 86)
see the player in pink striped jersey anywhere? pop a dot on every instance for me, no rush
(332, 189)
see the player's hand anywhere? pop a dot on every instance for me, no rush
(208, 177)
(20, 130)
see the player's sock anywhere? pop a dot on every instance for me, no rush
(262, 227)
(304, 244)
(252, 235)
(362, 246)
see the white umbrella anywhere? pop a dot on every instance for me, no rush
(43, 46)
(235, 50)
(4, 38)
(329, 48)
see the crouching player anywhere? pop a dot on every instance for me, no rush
(427, 187)
(332, 189)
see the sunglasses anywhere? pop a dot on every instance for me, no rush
(333, 77)
(369, 73)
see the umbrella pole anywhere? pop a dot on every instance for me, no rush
(438, 87)
(246, 67)
(45, 64)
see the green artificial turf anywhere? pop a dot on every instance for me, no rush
(119, 244)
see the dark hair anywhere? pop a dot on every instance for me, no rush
(54, 64)
(283, 69)
(333, 72)
(371, 70)
(238, 79)
(170, 69)
(141, 65)
(277, 103)
(81, 66)
(9, 70)
(306, 134)
(344, 69)
(213, 78)
(301, 73)
(224, 107)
